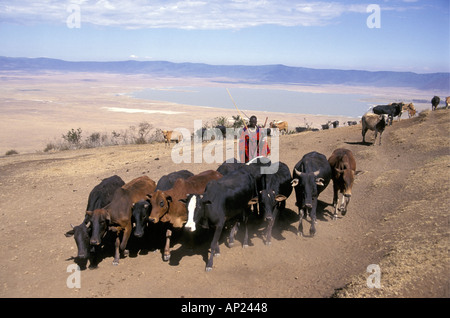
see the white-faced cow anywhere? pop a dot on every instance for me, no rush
(116, 216)
(169, 206)
(373, 122)
(343, 168)
(310, 177)
(224, 199)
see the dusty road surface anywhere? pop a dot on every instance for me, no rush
(397, 219)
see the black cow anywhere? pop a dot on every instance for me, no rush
(435, 102)
(224, 199)
(103, 192)
(311, 176)
(277, 188)
(392, 110)
(82, 235)
(100, 196)
(229, 165)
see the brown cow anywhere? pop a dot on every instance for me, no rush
(166, 205)
(170, 135)
(170, 206)
(116, 216)
(410, 109)
(343, 168)
(281, 125)
(447, 102)
(373, 122)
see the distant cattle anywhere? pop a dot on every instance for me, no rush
(172, 135)
(100, 196)
(311, 176)
(373, 122)
(352, 123)
(435, 102)
(392, 110)
(281, 125)
(116, 216)
(330, 123)
(410, 109)
(343, 169)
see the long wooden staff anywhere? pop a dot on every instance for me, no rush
(236, 107)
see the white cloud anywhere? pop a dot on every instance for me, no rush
(181, 14)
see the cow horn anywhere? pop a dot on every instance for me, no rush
(316, 173)
(297, 172)
(88, 224)
(72, 226)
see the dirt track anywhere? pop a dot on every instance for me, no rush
(398, 219)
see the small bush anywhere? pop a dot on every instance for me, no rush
(11, 152)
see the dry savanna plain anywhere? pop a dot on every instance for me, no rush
(397, 221)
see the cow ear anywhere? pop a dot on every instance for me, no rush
(316, 173)
(183, 200)
(280, 198)
(294, 182)
(253, 201)
(69, 233)
(89, 213)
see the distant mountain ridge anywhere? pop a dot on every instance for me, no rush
(264, 74)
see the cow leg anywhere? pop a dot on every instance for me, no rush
(246, 214)
(166, 256)
(270, 225)
(364, 135)
(233, 234)
(214, 247)
(380, 137)
(117, 251)
(335, 200)
(300, 224)
(126, 236)
(312, 214)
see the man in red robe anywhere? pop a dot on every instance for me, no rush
(252, 143)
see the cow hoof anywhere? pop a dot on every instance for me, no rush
(245, 246)
(230, 244)
(268, 243)
(166, 258)
(208, 269)
(115, 263)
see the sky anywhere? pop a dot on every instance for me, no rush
(390, 35)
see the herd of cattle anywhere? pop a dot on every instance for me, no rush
(209, 199)
(215, 197)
